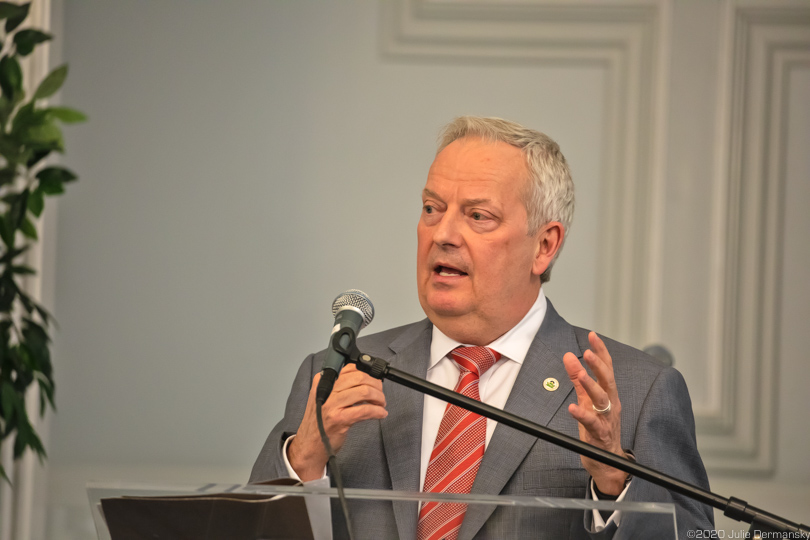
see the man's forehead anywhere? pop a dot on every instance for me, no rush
(477, 175)
(474, 158)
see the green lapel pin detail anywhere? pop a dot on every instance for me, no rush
(551, 384)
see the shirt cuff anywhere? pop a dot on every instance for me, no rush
(599, 523)
(290, 472)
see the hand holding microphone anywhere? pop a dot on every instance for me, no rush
(352, 397)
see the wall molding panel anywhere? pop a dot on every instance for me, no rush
(768, 43)
(621, 38)
(629, 41)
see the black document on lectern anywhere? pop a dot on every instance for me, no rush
(220, 516)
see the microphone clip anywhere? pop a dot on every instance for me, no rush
(376, 367)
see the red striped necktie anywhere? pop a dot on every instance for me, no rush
(458, 450)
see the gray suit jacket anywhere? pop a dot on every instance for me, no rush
(657, 424)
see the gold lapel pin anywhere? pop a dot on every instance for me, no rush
(551, 384)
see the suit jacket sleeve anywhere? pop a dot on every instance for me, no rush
(664, 439)
(270, 463)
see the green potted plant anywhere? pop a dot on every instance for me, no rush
(29, 134)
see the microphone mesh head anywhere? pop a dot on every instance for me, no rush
(356, 299)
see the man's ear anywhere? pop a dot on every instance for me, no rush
(549, 240)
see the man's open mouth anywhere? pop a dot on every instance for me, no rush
(448, 271)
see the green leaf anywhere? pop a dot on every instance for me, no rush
(7, 176)
(9, 149)
(27, 270)
(10, 256)
(43, 314)
(52, 83)
(51, 187)
(26, 116)
(36, 202)
(25, 300)
(8, 400)
(6, 107)
(20, 442)
(11, 78)
(17, 18)
(26, 40)
(7, 293)
(36, 334)
(38, 156)
(9, 9)
(16, 214)
(66, 115)
(5, 332)
(56, 173)
(46, 391)
(52, 180)
(36, 343)
(26, 438)
(30, 231)
(42, 137)
(6, 233)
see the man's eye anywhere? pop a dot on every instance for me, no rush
(428, 209)
(478, 216)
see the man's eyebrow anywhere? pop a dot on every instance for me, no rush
(476, 202)
(467, 202)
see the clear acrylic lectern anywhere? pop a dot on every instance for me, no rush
(306, 511)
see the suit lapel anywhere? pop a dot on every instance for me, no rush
(402, 429)
(508, 447)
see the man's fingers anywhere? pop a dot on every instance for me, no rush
(586, 417)
(603, 373)
(598, 347)
(351, 377)
(589, 392)
(355, 395)
(598, 396)
(575, 371)
(366, 411)
(348, 408)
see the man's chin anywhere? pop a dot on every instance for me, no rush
(447, 308)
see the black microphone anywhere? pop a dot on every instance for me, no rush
(354, 310)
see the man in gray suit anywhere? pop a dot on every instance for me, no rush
(497, 205)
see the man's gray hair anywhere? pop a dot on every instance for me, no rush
(550, 193)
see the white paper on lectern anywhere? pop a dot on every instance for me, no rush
(319, 510)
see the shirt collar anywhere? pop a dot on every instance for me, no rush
(513, 345)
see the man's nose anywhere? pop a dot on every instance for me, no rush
(448, 230)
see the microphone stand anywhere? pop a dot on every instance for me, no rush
(732, 507)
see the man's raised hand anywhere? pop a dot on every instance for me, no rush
(600, 427)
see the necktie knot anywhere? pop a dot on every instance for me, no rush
(476, 360)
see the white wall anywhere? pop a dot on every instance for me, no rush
(247, 161)
(243, 164)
